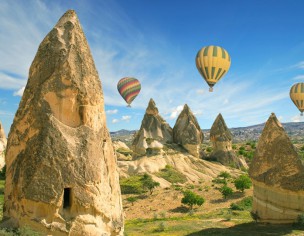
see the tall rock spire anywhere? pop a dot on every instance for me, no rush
(61, 176)
(153, 133)
(278, 176)
(221, 139)
(187, 132)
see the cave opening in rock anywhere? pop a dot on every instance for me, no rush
(67, 198)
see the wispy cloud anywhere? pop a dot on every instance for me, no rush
(114, 121)
(299, 65)
(175, 112)
(19, 92)
(298, 77)
(111, 112)
(126, 118)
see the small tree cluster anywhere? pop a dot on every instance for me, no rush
(226, 191)
(190, 198)
(148, 183)
(242, 182)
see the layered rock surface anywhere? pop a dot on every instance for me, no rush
(221, 139)
(62, 174)
(123, 152)
(153, 133)
(278, 176)
(187, 132)
(3, 142)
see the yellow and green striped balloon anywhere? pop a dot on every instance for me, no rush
(212, 62)
(297, 96)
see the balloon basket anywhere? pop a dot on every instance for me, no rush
(129, 105)
(210, 89)
(301, 113)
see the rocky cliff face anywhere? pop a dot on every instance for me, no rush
(187, 132)
(278, 176)
(221, 139)
(61, 174)
(153, 133)
(3, 142)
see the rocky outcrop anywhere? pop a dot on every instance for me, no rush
(277, 174)
(153, 133)
(62, 176)
(221, 139)
(2, 146)
(123, 152)
(187, 132)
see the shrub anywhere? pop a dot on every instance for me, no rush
(300, 220)
(149, 183)
(209, 149)
(224, 174)
(233, 146)
(132, 200)
(131, 185)
(242, 182)
(244, 205)
(190, 198)
(226, 191)
(219, 181)
(161, 227)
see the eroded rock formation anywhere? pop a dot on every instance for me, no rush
(2, 146)
(187, 132)
(61, 174)
(221, 139)
(277, 175)
(153, 133)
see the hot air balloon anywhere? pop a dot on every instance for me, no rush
(212, 62)
(128, 88)
(297, 96)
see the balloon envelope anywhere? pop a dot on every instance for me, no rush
(212, 62)
(128, 88)
(297, 96)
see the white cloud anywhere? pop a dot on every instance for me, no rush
(297, 118)
(9, 82)
(298, 77)
(114, 121)
(300, 65)
(126, 118)
(19, 92)
(111, 112)
(200, 91)
(226, 101)
(175, 112)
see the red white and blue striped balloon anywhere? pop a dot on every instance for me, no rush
(128, 88)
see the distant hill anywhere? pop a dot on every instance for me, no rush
(295, 130)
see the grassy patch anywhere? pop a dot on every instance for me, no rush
(172, 175)
(124, 151)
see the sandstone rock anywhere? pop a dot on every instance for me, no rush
(153, 133)
(62, 176)
(278, 176)
(221, 139)
(187, 132)
(123, 152)
(3, 142)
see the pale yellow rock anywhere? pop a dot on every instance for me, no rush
(3, 143)
(153, 133)
(62, 176)
(221, 139)
(278, 176)
(121, 148)
(187, 132)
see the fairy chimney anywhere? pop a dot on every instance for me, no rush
(2, 146)
(277, 174)
(221, 139)
(153, 133)
(187, 132)
(62, 176)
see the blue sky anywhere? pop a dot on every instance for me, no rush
(156, 42)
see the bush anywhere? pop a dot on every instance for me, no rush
(233, 146)
(148, 183)
(209, 149)
(219, 181)
(161, 227)
(131, 185)
(190, 198)
(244, 205)
(226, 191)
(132, 200)
(172, 175)
(224, 174)
(242, 182)
(300, 220)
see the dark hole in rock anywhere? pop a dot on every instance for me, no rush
(67, 198)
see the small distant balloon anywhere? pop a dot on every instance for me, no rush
(297, 96)
(128, 88)
(212, 62)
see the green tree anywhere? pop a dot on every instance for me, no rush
(242, 182)
(226, 191)
(190, 198)
(149, 183)
(132, 200)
